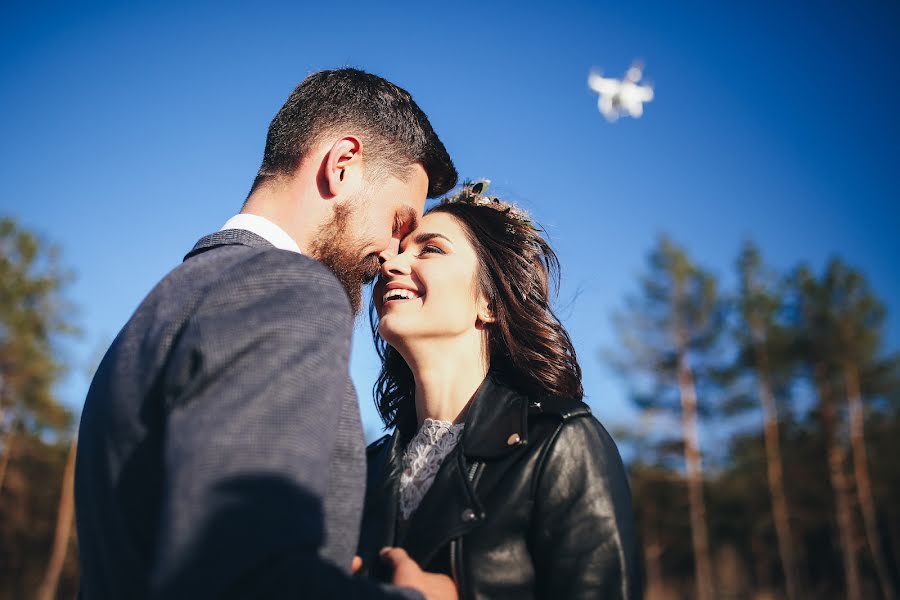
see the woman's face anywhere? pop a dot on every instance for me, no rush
(429, 291)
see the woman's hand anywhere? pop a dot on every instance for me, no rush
(407, 573)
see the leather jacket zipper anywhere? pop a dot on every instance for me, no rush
(475, 472)
(456, 566)
(456, 546)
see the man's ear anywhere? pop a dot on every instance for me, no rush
(343, 165)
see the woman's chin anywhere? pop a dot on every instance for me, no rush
(389, 332)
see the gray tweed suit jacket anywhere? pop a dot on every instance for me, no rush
(220, 451)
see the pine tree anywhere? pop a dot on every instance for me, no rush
(33, 314)
(35, 429)
(815, 332)
(668, 332)
(856, 320)
(760, 337)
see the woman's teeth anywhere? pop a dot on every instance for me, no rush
(399, 295)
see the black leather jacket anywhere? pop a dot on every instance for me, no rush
(532, 503)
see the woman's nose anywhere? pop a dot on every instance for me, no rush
(398, 264)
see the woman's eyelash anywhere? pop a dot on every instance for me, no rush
(429, 249)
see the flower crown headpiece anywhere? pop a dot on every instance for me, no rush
(473, 193)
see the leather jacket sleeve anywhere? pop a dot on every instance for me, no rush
(583, 542)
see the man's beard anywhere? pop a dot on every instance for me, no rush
(334, 247)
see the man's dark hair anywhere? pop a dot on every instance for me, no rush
(395, 132)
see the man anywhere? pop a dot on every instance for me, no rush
(220, 451)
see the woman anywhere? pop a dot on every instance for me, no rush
(496, 473)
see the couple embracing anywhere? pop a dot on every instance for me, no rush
(221, 452)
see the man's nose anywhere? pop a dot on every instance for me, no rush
(390, 252)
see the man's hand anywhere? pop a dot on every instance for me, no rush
(407, 573)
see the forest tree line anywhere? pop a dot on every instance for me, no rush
(764, 462)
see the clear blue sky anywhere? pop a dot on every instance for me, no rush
(130, 130)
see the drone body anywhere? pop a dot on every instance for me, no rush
(621, 96)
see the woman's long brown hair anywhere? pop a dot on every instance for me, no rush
(529, 348)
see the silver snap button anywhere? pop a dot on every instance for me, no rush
(468, 515)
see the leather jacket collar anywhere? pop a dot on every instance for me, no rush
(496, 423)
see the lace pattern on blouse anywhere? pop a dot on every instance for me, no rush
(422, 459)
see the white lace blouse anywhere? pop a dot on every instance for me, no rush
(422, 459)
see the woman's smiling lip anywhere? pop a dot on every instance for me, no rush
(396, 285)
(407, 292)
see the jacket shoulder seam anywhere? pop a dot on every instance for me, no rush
(563, 408)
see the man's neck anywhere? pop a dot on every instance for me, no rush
(265, 229)
(279, 204)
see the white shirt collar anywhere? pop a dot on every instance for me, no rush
(265, 229)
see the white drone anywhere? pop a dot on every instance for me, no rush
(618, 96)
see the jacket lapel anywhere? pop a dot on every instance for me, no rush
(449, 509)
(378, 526)
(385, 492)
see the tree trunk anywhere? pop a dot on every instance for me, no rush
(47, 590)
(652, 552)
(863, 483)
(699, 534)
(840, 486)
(780, 515)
